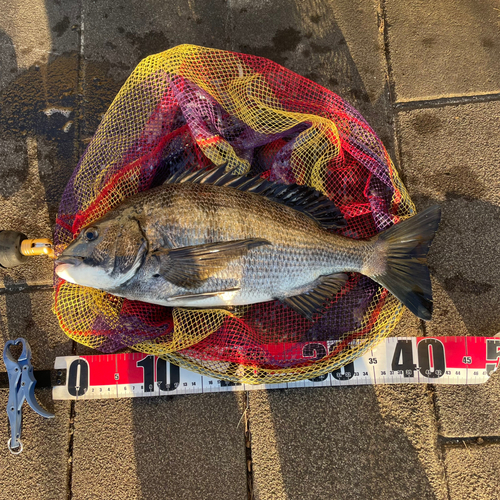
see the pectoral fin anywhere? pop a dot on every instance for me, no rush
(189, 267)
(311, 302)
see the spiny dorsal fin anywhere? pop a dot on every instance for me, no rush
(302, 198)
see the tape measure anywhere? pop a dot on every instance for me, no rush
(397, 360)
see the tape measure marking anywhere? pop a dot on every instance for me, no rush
(396, 360)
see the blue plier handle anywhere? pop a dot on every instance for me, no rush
(21, 387)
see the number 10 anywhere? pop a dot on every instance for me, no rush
(147, 364)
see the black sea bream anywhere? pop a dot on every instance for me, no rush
(209, 239)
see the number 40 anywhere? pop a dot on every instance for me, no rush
(430, 354)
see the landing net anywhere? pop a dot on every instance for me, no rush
(191, 107)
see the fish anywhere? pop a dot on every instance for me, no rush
(211, 239)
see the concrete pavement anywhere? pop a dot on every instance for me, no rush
(427, 78)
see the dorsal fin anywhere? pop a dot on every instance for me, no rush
(302, 198)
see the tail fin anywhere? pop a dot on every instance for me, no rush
(406, 275)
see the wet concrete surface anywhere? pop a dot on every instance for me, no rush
(61, 64)
(443, 49)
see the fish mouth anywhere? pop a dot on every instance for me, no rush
(69, 259)
(64, 265)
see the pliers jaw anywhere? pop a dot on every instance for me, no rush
(21, 387)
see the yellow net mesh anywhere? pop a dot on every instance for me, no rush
(194, 106)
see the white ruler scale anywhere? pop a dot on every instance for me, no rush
(396, 360)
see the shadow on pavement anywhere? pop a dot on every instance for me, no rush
(190, 447)
(336, 443)
(464, 266)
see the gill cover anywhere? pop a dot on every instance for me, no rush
(105, 254)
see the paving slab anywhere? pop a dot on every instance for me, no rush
(336, 44)
(40, 471)
(360, 442)
(185, 447)
(471, 470)
(451, 156)
(471, 410)
(443, 49)
(38, 97)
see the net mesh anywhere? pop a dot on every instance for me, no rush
(190, 107)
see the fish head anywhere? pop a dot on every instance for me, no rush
(105, 255)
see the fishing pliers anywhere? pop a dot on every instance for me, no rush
(21, 387)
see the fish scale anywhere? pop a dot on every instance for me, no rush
(300, 252)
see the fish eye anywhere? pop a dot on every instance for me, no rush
(91, 234)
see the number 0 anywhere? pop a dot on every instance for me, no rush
(431, 352)
(78, 377)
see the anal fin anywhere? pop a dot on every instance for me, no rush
(310, 303)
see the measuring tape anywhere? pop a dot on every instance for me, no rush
(397, 360)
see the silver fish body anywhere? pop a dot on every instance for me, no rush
(193, 244)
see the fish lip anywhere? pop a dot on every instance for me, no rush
(69, 259)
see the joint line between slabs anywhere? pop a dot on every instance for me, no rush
(384, 35)
(439, 445)
(19, 288)
(445, 101)
(431, 390)
(248, 447)
(471, 440)
(79, 105)
(382, 25)
(70, 450)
